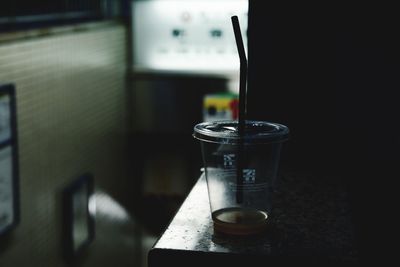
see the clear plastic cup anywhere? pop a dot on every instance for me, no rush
(240, 172)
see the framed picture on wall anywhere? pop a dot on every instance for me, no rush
(8, 114)
(9, 193)
(78, 216)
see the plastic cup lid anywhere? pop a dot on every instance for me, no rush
(226, 132)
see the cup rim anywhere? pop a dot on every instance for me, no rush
(256, 132)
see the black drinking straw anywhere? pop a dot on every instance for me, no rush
(243, 73)
(242, 106)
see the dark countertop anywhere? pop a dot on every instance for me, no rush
(311, 223)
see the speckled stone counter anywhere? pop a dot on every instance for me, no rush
(311, 223)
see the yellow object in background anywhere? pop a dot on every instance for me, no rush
(222, 106)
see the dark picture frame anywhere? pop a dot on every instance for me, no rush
(9, 169)
(78, 220)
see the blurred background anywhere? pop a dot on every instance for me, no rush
(114, 88)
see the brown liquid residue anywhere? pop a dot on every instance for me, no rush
(239, 221)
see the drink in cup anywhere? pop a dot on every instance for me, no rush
(240, 170)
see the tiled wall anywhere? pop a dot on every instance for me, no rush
(72, 118)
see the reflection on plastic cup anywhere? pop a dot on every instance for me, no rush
(240, 172)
